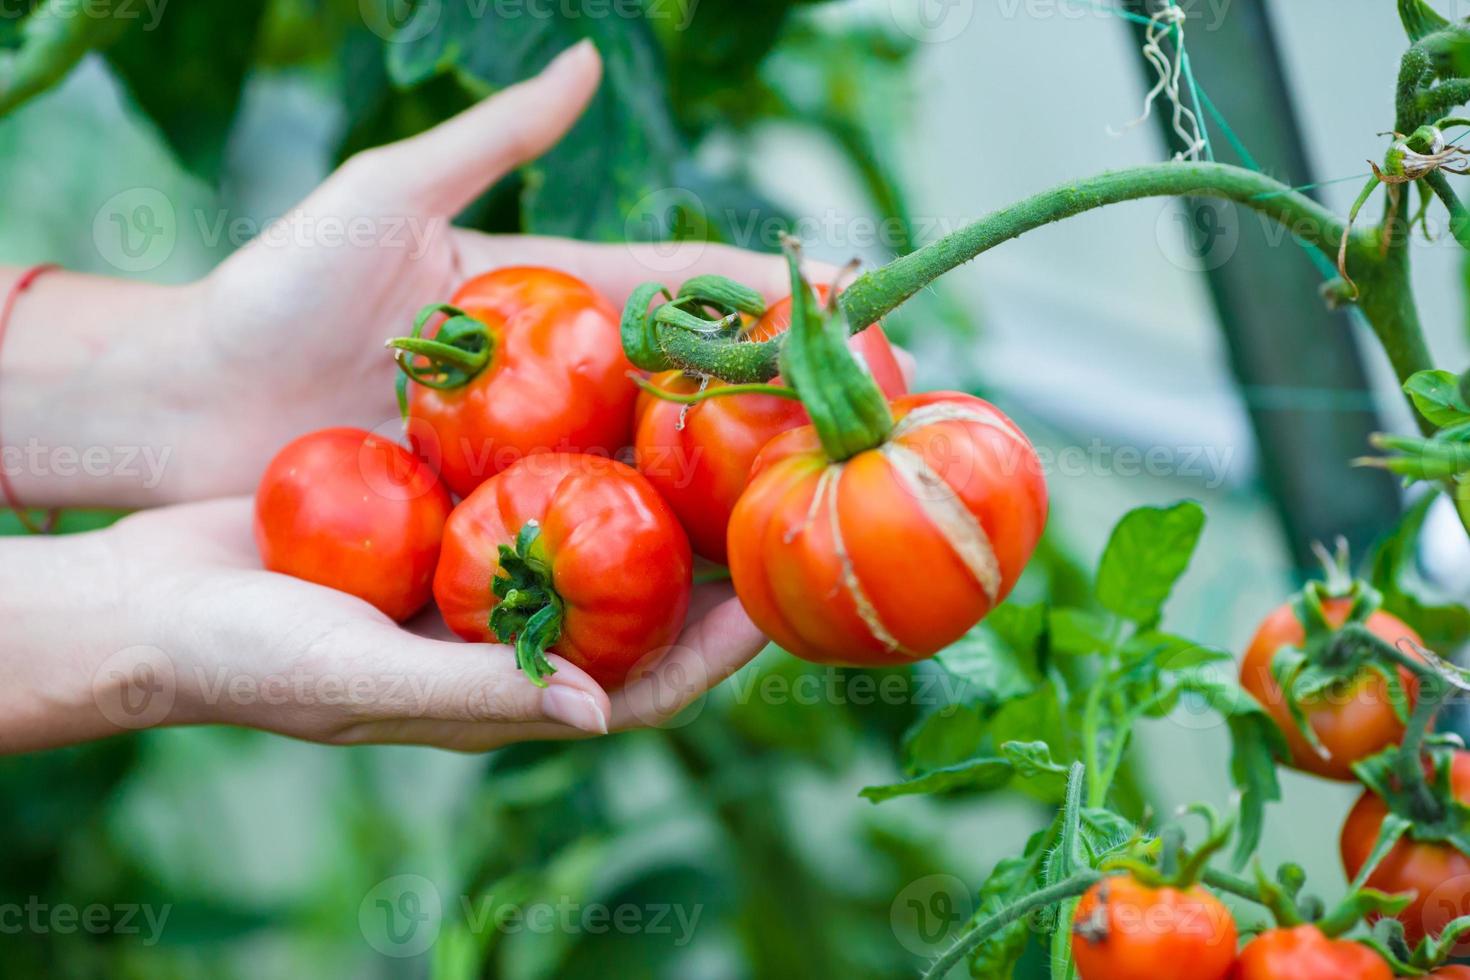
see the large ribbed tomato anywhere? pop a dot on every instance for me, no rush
(890, 556)
(1352, 723)
(1436, 871)
(556, 379)
(699, 457)
(351, 510)
(1305, 953)
(1126, 930)
(604, 551)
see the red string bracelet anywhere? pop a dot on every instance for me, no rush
(21, 285)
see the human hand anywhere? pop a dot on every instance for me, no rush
(198, 633)
(186, 392)
(298, 326)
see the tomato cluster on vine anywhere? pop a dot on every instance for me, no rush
(827, 491)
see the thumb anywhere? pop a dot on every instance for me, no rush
(440, 171)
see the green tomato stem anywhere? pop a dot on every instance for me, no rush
(724, 391)
(1050, 895)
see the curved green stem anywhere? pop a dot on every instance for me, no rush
(1459, 216)
(723, 391)
(1225, 882)
(1060, 892)
(882, 290)
(1410, 763)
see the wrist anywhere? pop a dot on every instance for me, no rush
(97, 391)
(65, 623)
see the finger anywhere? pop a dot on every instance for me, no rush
(474, 683)
(714, 647)
(442, 170)
(616, 270)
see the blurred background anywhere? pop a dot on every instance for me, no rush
(1154, 351)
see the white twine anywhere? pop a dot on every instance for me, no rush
(1186, 124)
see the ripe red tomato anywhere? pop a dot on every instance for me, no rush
(1126, 930)
(892, 555)
(350, 510)
(557, 379)
(1351, 724)
(1304, 953)
(1438, 872)
(613, 554)
(1451, 973)
(699, 457)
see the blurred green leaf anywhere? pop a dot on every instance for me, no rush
(1436, 395)
(49, 43)
(611, 177)
(194, 102)
(974, 774)
(1393, 571)
(1148, 551)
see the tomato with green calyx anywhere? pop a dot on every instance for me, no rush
(570, 553)
(700, 456)
(1356, 716)
(350, 510)
(882, 532)
(1124, 929)
(1305, 953)
(1435, 870)
(521, 361)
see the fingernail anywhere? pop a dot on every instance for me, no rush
(575, 708)
(576, 52)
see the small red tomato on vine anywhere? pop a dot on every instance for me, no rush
(1126, 930)
(350, 510)
(883, 531)
(1353, 719)
(1305, 953)
(528, 360)
(700, 456)
(570, 553)
(1451, 973)
(1436, 871)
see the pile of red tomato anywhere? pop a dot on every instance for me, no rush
(556, 544)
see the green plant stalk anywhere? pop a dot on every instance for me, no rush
(1050, 895)
(1387, 301)
(1410, 765)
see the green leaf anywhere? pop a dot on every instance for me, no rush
(1078, 632)
(1148, 551)
(1169, 652)
(1012, 878)
(194, 102)
(1420, 19)
(611, 178)
(51, 40)
(1436, 394)
(1393, 571)
(942, 738)
(1031, 758)
(974, 774)
(990, 670)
